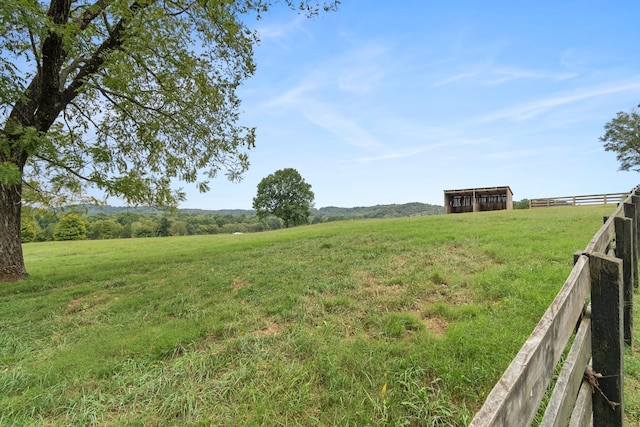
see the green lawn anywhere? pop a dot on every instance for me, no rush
(376, 322)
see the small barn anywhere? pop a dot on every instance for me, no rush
(478, 199)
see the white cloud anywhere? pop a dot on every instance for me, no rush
(518, 154)
(456, 78)
(361, 80)
(294, 97)
(494, 76)
(360, 71)
(448, 144)
(346, 128)
(396, 154)
(305, 99)
(282, 31)
(527, 111)
(507, 74)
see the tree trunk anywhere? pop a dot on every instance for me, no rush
(38, 108)
(11, 260)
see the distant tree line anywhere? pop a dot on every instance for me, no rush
(108, 222)
(521, 204)
(42, 226)
(379, 211)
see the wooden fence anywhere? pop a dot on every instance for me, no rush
(593, 199)
(595, 308)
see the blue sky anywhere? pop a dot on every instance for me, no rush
(393, 102)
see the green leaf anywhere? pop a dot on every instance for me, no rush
(9, 174)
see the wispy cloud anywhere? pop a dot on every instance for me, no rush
(361, 79)
(519, 154)
(359, 71)
(389, 154)
(347, 77)
(456, 78)
(503, 75)
(395, 154)
(282, 30)
(344, 127)
(295, 96)
(305, 99)
(527, 111)
(494, 76)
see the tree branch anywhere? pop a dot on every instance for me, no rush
(64, 167)
(82, 113)
(112, 101)
(64, 73)
(93, 64)
(52, 47)
(158, 110)
(36, 57)
(107, 24)
(180, 11)
(91, 13)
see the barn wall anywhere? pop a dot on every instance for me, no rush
(478, 200)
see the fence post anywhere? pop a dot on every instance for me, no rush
(607, 339)
(636, 228)
(624, 251)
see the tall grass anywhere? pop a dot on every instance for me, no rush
(632, 373)
(377, 322)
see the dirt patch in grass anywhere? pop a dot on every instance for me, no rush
(454, 295)
(271, 329)
(239, 283)
(381, 290)
(84, 303)
(436, 326)
(76, 302)
(386, 297)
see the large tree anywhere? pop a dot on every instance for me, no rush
(125, 96)
(284, 194)
(622, 136)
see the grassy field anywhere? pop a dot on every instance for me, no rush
(632, 373)
(376, 322)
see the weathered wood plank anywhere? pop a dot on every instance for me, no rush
(635, 199)
(514, 400)
(607, 338)
(624, 251)
(582, 413)
(565, 392)
(602, 238)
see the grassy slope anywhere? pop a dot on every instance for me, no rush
(632, 373)
(390, 322)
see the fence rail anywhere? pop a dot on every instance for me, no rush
(595, 307)
(592, 199)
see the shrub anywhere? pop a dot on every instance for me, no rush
(71, 227)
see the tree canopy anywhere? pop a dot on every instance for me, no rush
(622, 136)
(286, 195)
(71, 227)
(126, 96)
